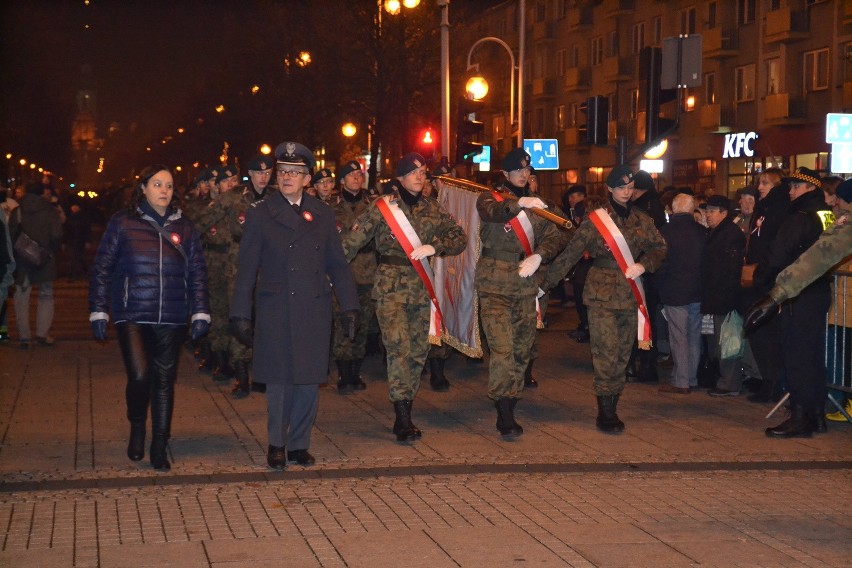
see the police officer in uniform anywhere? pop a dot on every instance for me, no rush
(348, 354)
(612, 306)
(291, 261)
(507, 293)
(402, 301)
(802, 319)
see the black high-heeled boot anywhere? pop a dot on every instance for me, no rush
(137, 394)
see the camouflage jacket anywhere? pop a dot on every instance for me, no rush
(432, 224)
(501, 253)
(606, 285)
(832, 247)
(345, 213)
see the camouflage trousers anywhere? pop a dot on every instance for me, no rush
(405, 332)
(613, 333)
(509, 326)
(221, 287)
(342, 348)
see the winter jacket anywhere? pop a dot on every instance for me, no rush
(721, 268)
(139, 277)
(800, 229)
(769, 213)
(678, 279)
(40, 220)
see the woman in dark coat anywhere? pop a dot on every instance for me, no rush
(149, 273)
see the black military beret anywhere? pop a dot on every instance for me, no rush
(226, 172)
(348, 168)
(409, 163)
(515, 160)
(322, 174)
(208, 174)
(619, 176)
(260, 163)
(643, 180)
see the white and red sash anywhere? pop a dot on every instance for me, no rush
(523, 229)
(618, 245)
(407, 237)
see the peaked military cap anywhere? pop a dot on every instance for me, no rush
(294, 154)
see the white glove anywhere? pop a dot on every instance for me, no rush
(422, 252)
(634, 271)
(529, 265)
(532, 202)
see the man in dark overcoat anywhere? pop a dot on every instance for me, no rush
(290, 259)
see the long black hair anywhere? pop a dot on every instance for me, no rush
(144, 177)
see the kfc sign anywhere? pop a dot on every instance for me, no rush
(738, 144)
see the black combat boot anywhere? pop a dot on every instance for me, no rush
(403, 427)
(344, 383)
(608, 420)
(223, 371)
(355, 375)
(506, 424)
(820, 426)
(241, 373)
(437, 379)
(529, 381)
(799, 425)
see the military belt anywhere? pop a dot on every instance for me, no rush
(605, 263)
(218, 248)
(394, 260)
(503, 254)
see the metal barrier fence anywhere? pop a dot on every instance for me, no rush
(838, 337)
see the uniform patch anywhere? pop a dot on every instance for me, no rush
(213, 231)
(175, 238)
(241, 218)
(507, 227)
(306, 215)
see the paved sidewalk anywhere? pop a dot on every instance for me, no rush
(692, 482)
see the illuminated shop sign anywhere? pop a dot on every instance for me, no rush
(739, 144)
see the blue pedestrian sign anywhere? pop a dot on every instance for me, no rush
(544, 153)
(838, 128)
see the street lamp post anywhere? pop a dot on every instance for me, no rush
(513, 119)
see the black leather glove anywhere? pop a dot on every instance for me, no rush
(241, 329)
(759, 313)
(351, 322)
(199, 329)
(99, 329)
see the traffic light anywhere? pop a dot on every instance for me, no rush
(467, 130)
(650, 71)
(596, 129)
(427, 144)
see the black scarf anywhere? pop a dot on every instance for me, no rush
(410, 199)
(516, 191)
(351, 197)
(620, 210)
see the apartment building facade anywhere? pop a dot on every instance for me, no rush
(770, 71)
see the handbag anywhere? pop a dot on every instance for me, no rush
(28, 251)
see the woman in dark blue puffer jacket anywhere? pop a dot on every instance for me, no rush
(149, 273)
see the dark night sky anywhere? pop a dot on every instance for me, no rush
(149, 61)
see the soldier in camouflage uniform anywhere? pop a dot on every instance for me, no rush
(612, 306)
(220, 251)
(349, 355)
(402, 302)
(507, 293)
(323, 186)
(195, 204)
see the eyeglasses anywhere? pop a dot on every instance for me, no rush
(291, 173)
